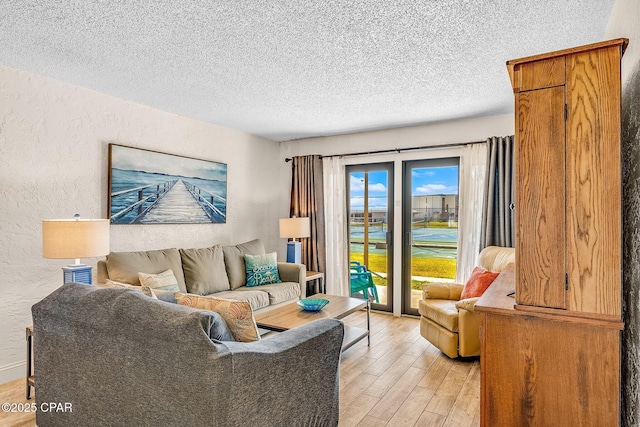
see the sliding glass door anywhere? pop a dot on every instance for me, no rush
(370, 213)
(430, 226)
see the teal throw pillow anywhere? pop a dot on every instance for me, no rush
(262, 269)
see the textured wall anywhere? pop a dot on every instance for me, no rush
(631, 249)
(53, 164)
(624, 23)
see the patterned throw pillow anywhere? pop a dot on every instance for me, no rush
(478, 282)
(165, 281)
(237, 314)
(144, 289)
(262, 269)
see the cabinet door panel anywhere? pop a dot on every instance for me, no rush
(546, 373)
(541, 74)
(593, 182)
(540, 201)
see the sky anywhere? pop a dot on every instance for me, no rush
(424, 181)
(129, 158)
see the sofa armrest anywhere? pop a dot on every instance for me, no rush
(290, 272)
(436, 290)
(101, 271)
(468, 304)
(284, 373)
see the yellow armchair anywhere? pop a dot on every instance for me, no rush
(452, 324)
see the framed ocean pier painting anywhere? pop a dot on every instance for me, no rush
(148, 187)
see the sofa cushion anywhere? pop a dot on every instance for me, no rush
(256, 299)
(237, 314)
(165, 281)
(477, 283)
(443, 312)
(234, 261)
(204, 270)
(125, 266)
(262, 269)
(277, 292)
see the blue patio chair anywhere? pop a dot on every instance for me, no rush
(360, 280)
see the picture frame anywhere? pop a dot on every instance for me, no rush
(151, 187)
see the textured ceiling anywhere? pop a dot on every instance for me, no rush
(286, 69)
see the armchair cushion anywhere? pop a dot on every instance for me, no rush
(496, 258)
(441, 311)
(450, 291)
(467, 304)
(478, 282)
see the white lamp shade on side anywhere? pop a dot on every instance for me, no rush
(71, 238)
(294, 228)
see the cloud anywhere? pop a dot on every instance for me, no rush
(427, 189)
(357, 185)
(379, 187)
(422, 172)
(376, 203)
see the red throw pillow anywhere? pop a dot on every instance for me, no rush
(478, 282)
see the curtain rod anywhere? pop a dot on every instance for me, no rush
(395, 150)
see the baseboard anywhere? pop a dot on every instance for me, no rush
(12, 372)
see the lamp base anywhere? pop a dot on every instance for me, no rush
(294, 252)
(79, 273)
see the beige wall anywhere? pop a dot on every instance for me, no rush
(53, 164)
(624, 20)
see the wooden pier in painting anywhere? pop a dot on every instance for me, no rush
(177, 205)
(171, 202)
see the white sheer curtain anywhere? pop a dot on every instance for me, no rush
(473, 171)
(337, 269)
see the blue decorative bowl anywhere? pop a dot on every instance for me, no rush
(312, 304)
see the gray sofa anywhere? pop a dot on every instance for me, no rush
(217, 270)
(123, 359)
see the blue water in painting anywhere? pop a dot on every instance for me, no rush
(129, 179)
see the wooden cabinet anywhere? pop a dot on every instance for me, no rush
(543, 370)
(568, 180)
(551, 355)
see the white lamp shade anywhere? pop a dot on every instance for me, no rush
(294, 227)
(71, 238)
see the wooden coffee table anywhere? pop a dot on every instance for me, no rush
(291, 315)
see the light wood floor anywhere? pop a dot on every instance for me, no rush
(401, 380)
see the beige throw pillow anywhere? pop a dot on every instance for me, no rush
(165, 281)
(237, 314)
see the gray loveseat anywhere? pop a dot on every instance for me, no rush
(217, 270)
(123, 359)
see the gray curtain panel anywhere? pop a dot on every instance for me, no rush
(498, 218)
(307, 200)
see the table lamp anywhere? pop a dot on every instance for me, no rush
(294, 228)
(75, 238)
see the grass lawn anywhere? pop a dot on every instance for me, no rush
(427, 267)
